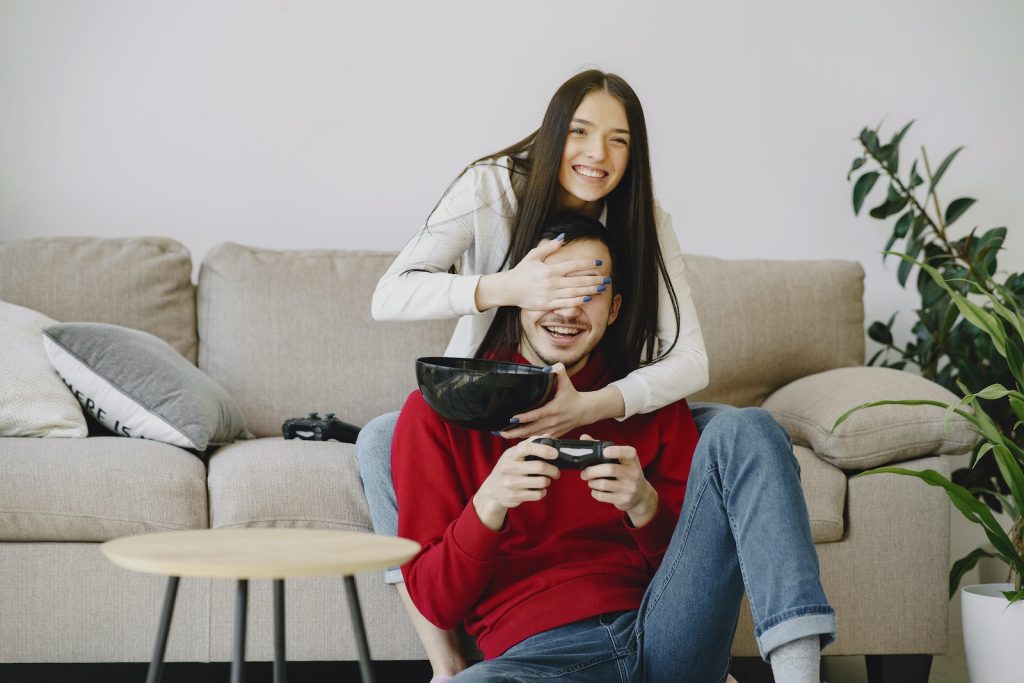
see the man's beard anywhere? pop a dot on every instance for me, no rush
(548, 360)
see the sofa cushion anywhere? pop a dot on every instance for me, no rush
(136, 385)
(143, 282)
(767, 323)
(290, 332)
(33, 400)
(96, 489)
(809, 407)
(824, 489)
(277, 483)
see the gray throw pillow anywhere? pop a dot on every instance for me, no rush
(137, 385)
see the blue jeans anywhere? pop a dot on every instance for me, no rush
(743, 525)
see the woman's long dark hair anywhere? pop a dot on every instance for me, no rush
(632, 232)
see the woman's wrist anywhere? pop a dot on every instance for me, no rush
(489, 290)
(604, 404)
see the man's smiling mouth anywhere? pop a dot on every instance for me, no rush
(561, 332)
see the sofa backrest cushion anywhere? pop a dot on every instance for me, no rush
(767, 323)
(290, 332)
(144, 283)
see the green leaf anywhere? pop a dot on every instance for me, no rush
(913, 249)
(975, 314)
(871, 361)
(857, 163)
(1012, 474)
(861, 189)
(957, 207)
(889, 207)
(920, 220)
(1018, 407)
(870, 140)
(880, 333)
(1012, 596)
(895, 142)
(994, 391)
(942, 169)
(964, 565)
(903, 224)
(903, 402)
(915, 179)
(985, 448)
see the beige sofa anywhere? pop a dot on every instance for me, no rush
(289, 332)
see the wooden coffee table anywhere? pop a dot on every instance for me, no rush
(244, 554)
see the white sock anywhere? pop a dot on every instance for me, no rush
(798, 661)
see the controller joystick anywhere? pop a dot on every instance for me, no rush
(316, 428)
(576, 455)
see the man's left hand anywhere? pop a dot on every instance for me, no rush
(622, 484)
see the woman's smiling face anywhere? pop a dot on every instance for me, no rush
(596, 152)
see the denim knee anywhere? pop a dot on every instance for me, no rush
(750, 429)
(373, 455)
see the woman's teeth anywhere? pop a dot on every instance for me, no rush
(589, 172)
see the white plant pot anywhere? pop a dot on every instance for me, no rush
(993, 634)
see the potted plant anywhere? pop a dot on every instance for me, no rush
(975, 324)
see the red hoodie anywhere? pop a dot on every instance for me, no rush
(558, 560)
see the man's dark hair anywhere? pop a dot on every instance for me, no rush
(503, 336)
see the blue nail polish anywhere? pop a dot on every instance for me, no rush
(598, 262)
(495, 433)
(607, 280)
(560, 237)
(587, 298)
(514, 421)
(547, 368)
(601, 288)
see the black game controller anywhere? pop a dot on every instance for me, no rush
(316, 428)
(576, 455)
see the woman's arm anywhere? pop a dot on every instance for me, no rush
(684, 371)
(448, 235)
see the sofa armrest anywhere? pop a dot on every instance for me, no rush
(808, 408)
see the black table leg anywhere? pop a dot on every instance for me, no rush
(241, 605)
(365, 665)
(156, 665)
(279, 651)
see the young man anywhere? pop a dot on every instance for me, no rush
(609, 573)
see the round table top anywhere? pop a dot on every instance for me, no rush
(258, 553)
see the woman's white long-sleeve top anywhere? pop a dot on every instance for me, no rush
(470, 229)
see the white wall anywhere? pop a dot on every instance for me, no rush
(329, 124)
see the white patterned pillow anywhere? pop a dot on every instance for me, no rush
(33, 399)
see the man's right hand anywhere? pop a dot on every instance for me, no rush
(514, 481)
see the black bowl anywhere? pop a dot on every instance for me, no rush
(481, 394)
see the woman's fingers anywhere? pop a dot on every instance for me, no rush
(576, 265)
(545, 249)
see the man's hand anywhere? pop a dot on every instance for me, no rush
(513, 481)
(622, 484)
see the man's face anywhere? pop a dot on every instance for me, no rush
(568, 335)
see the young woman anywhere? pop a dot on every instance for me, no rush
(476, 254)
